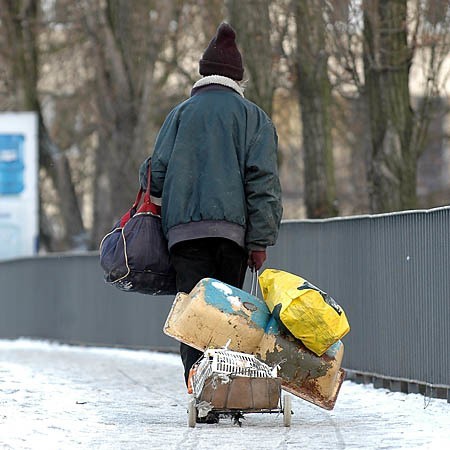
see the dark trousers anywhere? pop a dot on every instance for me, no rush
(195, 259)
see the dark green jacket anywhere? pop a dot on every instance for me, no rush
(215, 167)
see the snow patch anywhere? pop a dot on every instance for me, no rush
(61, 396)
(222, 287)
(235, 301)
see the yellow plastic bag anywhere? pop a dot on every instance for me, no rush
(310, 314)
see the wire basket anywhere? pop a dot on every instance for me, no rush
(223, 363)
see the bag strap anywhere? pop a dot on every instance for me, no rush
(254, 283)
(147, 207)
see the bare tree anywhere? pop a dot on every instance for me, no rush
(387, 59)
(251, 20)
(125, 45)
(22, 25)
(314, 90)
(389, 38)
(102, 76)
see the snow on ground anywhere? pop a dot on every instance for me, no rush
(65, 397)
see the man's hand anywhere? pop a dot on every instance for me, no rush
(256, 259)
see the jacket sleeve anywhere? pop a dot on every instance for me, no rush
(263, 190)
(161, 156)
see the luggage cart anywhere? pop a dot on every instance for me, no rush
(231, 384)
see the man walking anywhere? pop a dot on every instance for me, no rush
(214, 166)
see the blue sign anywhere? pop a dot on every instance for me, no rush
(11, 164)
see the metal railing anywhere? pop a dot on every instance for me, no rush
(390, 273)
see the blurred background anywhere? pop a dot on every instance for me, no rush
(358, 90)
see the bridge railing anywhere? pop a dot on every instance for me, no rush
(390, 273)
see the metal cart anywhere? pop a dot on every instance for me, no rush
(231, 384)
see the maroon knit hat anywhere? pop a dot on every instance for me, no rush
(222, 56)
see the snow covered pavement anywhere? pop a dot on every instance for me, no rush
(65, 397)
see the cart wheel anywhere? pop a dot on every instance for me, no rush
(192, 413)
(287, 411)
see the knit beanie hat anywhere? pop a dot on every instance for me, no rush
(222, 56)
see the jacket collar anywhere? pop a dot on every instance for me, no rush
(218, 79)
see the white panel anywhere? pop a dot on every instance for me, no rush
(19, 197)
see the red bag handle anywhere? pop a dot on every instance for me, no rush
(147, 207)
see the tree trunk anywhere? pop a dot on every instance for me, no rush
(387, 58)
(57, 165)
(314, 91)
(251, 21)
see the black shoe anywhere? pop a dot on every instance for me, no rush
(209, 418)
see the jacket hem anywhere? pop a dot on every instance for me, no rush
(206, 228)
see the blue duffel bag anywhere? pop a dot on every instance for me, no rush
(134, 254)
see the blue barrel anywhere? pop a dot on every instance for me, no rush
(234, 301)
(11, 164)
